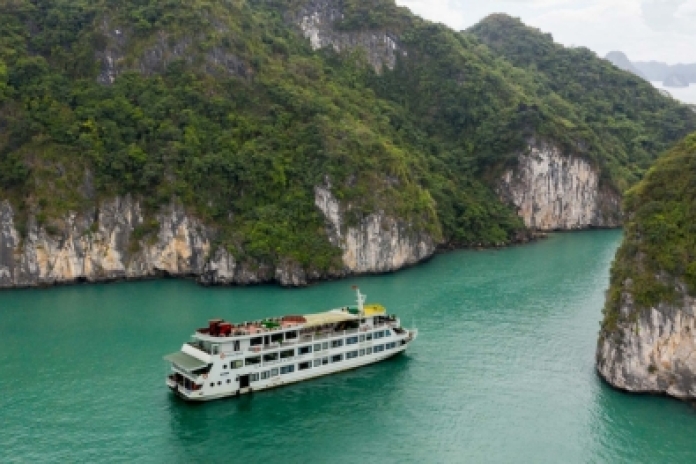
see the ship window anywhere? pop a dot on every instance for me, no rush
(324, 361)
(278, 337)
(379, 334)
(256, 341)
(228, 380)
(305, 365)
(317, 362)
(304, 350)
(287, 369)
(270, 357)
(325, 346)
(287, 354)
(379, 348)
(387, 333)
(236, 345)
(290, 335)
(253, 360)
(351, 340)
(362, 352)
(337, 358)
(336, 343)
(224, 366)
(317, 347)
(254, 377)
(212, 384)
(352, 354)
(236, 364)
(265, 375)
(368, 337)
(362, 338)
(368, 351)
(274, 372)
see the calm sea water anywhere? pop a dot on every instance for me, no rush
(502, 372)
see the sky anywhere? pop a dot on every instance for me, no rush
(659, 30)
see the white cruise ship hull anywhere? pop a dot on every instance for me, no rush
(228, 359)
(211, 390)
(288, 379)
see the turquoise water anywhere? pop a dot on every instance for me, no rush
(502, 372)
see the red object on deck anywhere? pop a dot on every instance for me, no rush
(213, 326)
(295, 319)
(225, 328)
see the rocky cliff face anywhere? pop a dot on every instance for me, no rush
(162, 51)
(379, 243)
(104, 245)
(652, 351)
(318, 18)
(557, 192)
(109, 243)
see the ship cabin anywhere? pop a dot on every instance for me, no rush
(272, 340)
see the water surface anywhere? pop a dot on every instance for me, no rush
(683, 94)
(502, 372)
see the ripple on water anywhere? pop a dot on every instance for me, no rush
(502, 372)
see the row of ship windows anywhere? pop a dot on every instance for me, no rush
(317, 362)
(318, 347)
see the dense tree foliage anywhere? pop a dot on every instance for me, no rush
(628, 121)
(224, 106)
(659, 248)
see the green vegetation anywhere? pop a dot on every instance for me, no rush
(626, 122)
(225, 107)
(659, 249)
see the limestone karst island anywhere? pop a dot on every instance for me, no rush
(284, 195)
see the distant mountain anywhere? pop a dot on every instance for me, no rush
(621, 61)
(675, 75)
(676, 80)
(657, 71)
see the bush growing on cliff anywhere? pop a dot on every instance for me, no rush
(226, 107)
(659, 248)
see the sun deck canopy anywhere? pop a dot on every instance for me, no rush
(185, 361)
(331, 317)
(374, 309)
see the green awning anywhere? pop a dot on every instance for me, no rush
(185, 361)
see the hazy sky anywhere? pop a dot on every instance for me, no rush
(661, 30)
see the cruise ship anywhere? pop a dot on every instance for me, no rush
(226, 359)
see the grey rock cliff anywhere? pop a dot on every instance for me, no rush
(107, 243)
(163, 50)
(652, 351)
(379, 243)
(101, 245)
(317, 20)
(553, 191)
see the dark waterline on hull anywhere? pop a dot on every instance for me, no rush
(503, 371)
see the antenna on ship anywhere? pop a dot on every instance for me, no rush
(360, 299)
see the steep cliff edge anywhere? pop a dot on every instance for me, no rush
(378, 243)
(647, 343)
(318, 20)
(117, 241)
(239, 110)
(556, 192)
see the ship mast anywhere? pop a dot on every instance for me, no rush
(360, 300)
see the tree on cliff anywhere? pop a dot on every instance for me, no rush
(226, 106)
